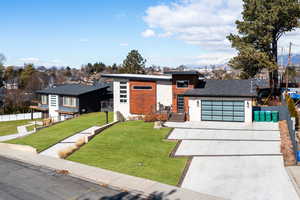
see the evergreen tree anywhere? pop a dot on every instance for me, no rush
(2, 59)
(263, 24)
(134, 63)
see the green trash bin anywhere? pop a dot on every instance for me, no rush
(275, 116)
(256, 116)
(262, 116)
(268, 116)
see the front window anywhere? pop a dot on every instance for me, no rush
(44, 99)
(142, 87)
(69, 101)
(182, 84)
(123, 92)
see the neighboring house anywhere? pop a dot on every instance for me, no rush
(11, 84)
(2, 94)
(186, 94)
(64, 101)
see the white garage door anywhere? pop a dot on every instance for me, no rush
(222, 110)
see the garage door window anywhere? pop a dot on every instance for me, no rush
(212, 110)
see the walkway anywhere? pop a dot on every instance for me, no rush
(22, 132)
(234, 160)
(71, 141)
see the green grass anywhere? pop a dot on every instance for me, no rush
(7, 128)
(47, 137)
(133, 148)
(31, 128)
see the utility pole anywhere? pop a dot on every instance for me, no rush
(287, 67)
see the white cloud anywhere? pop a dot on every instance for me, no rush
(30, 60)
(148, 33)
(124, 44)
(204, 23)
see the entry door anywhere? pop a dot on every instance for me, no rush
(180, 104)
(213, 110)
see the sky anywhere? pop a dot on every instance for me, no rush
(166, 32)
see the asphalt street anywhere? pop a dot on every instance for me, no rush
(21, 181)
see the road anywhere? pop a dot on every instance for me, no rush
(21, 181)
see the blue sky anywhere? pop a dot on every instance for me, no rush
(166, 32)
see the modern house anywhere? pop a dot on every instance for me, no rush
(185, 94)
(64, 101)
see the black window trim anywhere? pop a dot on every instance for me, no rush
(188, 83)
(142, 87)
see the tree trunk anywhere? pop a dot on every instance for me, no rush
(275, 71)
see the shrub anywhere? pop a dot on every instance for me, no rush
(291, 106)
(68, 151)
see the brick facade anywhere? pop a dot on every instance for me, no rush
(193, 82)
(142, 101)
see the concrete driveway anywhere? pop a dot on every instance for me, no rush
(238, 161)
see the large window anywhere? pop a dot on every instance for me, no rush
(69, 101)
(123, 92)
(142, 87)
(182, 84)
(44, 99)
(213, 110)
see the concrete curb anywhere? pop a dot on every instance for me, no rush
(18, 147)
(106, 177)
(292, 178)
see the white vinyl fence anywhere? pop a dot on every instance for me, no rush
(22, 116)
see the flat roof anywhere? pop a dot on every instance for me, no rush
(138, 77)
(183, 72)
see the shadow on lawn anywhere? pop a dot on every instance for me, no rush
(129, 196)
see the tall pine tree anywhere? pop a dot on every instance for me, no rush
(134, 63)
(264, 23)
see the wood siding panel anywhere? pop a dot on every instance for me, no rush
(193, 82)
(142, 101)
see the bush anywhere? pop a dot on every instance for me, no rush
(291, 106)
(156, 117)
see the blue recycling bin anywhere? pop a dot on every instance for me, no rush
(298, 156)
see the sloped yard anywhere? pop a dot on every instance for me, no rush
(133, 148)
(47, 137)
(7, 128)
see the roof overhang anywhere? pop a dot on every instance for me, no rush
(138, 77)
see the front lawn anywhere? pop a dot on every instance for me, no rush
(47, 137)
(133, 148)
(7, 128)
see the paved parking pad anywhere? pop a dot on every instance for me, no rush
(208, 134)
(227, 148)
(241, 178)
(260, 126)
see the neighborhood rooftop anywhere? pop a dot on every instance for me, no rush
(72, 89)
(224, 88)
(137, 77)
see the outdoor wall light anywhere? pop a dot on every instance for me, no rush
(247, 104)
(198, 103)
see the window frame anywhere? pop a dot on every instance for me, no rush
(69, 104)
(123, 91)
(150, 87)
(44, 97)
(188, 83)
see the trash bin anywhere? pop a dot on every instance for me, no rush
(262, 116)
(256, 116)
(298, 156)
(275, 116)
(268, 116)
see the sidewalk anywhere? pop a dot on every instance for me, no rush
(71, 141)
(105, 177)
(22, 131)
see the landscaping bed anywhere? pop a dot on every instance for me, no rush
(10, 127)
(49, 136)
(134, 148)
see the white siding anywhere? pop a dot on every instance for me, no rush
(164, 93)
(53, 107)
(123, 108)
(195, 107)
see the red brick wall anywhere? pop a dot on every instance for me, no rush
(193, 81)
(142, 101)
